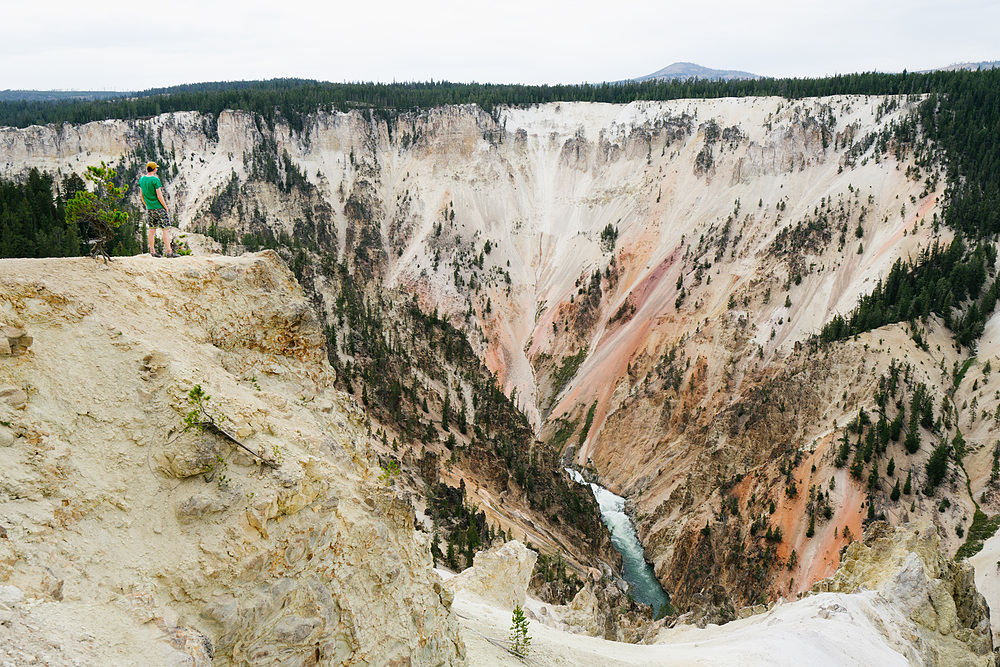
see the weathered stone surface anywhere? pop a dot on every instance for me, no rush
(14, 340)
(15, 397)
(153, 363)
(499, 575)
(584, 612)
(111, 524)
(599, 610)
(10, 596)
(199, 506)
(191, 453)
(194, 644)
(938, 594)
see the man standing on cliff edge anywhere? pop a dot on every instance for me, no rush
(156, 210)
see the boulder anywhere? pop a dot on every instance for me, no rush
(10, 597)
(14, 340)
(583, 614)
(188, 455)
(499, 575)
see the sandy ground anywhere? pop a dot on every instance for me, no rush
(827, 629)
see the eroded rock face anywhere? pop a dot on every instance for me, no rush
(600, 609)
(539, 185)
(499, 575)
(179, 548)
(939, 595)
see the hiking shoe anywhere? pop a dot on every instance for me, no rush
(153, 253)
(171, 254)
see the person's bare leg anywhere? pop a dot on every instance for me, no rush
(151, 237)
(166, 241)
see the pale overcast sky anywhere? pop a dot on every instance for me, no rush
(79, 45)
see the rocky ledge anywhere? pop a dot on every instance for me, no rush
(125, 539)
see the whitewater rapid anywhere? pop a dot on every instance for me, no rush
(643, 586)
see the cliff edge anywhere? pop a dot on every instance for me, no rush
(125, 539)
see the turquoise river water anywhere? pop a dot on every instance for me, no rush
(643, 585)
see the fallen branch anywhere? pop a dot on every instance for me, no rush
(218, 430)
(202, 419)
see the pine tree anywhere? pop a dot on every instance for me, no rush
(99, 211)
(937, 464)
(462, 418)
(873, 479)
(520, 641)
(446, 410)
(896, 426)
(858, 466)
(912, 440)
(436, 549)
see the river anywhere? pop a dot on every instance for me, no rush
(643, 585)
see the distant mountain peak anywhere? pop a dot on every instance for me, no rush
(685, 70)
(972, 66)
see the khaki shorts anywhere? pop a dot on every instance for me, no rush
(157, 217)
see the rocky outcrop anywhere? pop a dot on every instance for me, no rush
(498, 575)
(499, 578)
(14, 341)
(126, 540)
(906, 567)
(600, 609)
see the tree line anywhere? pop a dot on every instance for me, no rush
(938, 281)
(960, 117)
(33, 220)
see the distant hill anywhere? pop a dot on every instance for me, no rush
(694, 71)
(57, 95)
(983, 64)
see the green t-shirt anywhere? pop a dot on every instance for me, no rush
(149, 185)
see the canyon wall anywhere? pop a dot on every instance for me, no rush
(645, 280)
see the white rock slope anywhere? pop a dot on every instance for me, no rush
(895, 601)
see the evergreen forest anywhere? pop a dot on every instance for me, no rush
(33, 220)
